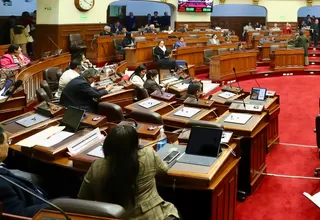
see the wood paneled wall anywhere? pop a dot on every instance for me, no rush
(60, 35)
(193, 25)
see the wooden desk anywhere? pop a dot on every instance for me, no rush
(211, 194)
(287, 59)
(253, 147)
(4, 49)
(175, 121)
(122, 98)
(162, 108)
(221, 66)
(264, 49)
(55, 214)
(219, 102)
(255, 40)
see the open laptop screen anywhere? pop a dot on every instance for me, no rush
(204, 141)
(258, 94)
(72, 118)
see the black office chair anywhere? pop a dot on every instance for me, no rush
(146, 116)
(112, 111)
(52, 76)
(201, 123)
(42, 95)
(141, 93)
(155, 57)
(77, 44)
(90, 208)
(207, 53)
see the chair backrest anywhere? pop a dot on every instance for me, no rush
(193, 36)
(155, 57)
(92, 208)
(112, 111)
(137, 39)
(117, 43)
(52, 76)
(141, 93)
(42, 95)
(75, 40)
(207, 53)
(201, 123)
(45, 86)
(146, 116)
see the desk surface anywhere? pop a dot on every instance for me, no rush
(159, 108)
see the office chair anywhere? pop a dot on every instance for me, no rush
(90, 208)
(45, 86)
(77, 44)
(112, 111)
(207, 53)
(222, 50)
(155, 57)
(52, 76)
(146, 116)
(201, 123)
(42, 95)
(117, 44)
(141, 93)
(317, 131)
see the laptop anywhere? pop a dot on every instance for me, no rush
(72, 119)
(203, 146)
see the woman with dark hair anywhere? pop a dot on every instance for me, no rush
(137, 76)
(160, 49)
(19, 35)
(126, 176)
(13, 58)
(85, 63)
(150, 84)
(128, 40)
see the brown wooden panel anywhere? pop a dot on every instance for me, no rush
(287, 59)
(3, 49)
(193, 25)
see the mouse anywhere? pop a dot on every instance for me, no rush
(96, 118)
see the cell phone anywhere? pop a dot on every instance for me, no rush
(171, 156)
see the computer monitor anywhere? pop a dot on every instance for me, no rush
(204, 141)
(258, 94)
(72, 118)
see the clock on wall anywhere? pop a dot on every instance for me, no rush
(84, 5)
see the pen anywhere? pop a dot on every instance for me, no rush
(51, 135)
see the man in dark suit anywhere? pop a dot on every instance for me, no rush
(79, 93)
(131, 22)
(116, 27)
(316, 30)
(167, 62)
(14, 200)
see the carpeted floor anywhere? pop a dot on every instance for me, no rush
(280, 198)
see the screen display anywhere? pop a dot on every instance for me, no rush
(204, 141)
(258, 94)
(195, 5)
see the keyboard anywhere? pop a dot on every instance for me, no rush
(197, 160)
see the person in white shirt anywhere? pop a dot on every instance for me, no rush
(68, 75)
(275, 27)
(137, 76)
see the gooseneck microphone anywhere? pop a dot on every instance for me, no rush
(16, 85)
(255, 79)
(239, 88)
(38, 197)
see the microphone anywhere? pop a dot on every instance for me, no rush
(38, 197)
(16, 85)
(239, 88)
(58, 52)
(231, 88)
(255, 79)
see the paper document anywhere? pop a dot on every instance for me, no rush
(32, 120)
(226, 95)
(97, 152)
(181, 86)
(170, 80)
(238, 118)
(208, 87)
(187, 112)
(41, 136)
(54, 139)
(86, 140)
(116, 89)
(315, 198)
(226, 136)
(149, 103)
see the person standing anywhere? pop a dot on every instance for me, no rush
(315, 29)
(165, 21)
(19, 35)
(302, 41)
(131, 22)
(155, 20)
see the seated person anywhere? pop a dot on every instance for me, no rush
(179, 43)
(14, 58)
(116, 27)
(14, 200)
(180, 73)
(152, 29)
(160, 49)
(128, 40)
(240, 47)
(184, 29)
(126, 176)
(287, 29)
(68, 75)
(137, 76)
(227, 40)
(106, 31)
(79, 93)
(150, 84)
(275, 27)
(85, 63)
(264, 39)
(167, 62)
(214, 40)
(194, 90)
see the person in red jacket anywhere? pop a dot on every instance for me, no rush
(287, 29)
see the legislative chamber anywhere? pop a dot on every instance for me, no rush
(210, 127)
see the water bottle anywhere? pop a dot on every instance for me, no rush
(163, 141)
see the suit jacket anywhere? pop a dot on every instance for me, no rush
(14, 200)
(104, 33)
(151, 86)
(78, 93)
(167, 63)
(149, 205)
(131, 23)
(158, 51)
(116, 29)
(302, 41)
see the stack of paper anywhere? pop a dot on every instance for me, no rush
(226, 95)
(187, 112)
(181, 86)
(46, 138)
(149, 103)
(208, 87)
(238, 118)
(97, 152)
